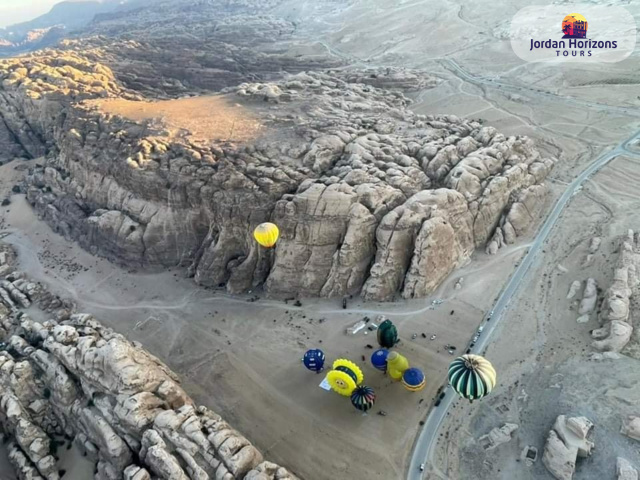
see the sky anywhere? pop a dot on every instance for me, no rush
(16, 11)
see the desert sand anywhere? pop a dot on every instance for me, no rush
(241, 355)
(547, 370)
(205, 118)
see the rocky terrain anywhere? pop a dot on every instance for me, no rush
(69, 379)
(186, 47)
(370, 197)
(12, 44)
(615, 316)
(566, 442)
(65, 18)
(159, 137)
(568, 353)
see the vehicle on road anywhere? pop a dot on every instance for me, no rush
(422, 467)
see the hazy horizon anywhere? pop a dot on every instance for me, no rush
(12, 11)
(18, 11)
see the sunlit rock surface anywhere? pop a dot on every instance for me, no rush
(370, 197)
(72, 378)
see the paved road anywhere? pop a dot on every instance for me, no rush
(423, 449)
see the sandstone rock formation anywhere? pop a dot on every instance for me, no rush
(523, 209)
(370, 197)
(497, 436)
(625, 470)
(617, 329)
(594, 245)
(177, 47)
(574, 289)
(631, 427)
(588, 302)
(589, 297)
(566, 442)
(123, 408)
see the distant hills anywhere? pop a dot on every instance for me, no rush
(60, 21)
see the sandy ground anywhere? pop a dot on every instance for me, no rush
(541, 351)
(204, 118)
(242, 358)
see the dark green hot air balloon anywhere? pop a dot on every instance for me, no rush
(472, 376)
(387, 334)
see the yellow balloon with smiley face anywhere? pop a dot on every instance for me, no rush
(344, 377)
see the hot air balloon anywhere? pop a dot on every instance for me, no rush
(379, 359)
(266, 234)
(314, 360)
(345, 377)
(396, 365)
(387, 334)
(413, 379)
(472, 376)
(363, 398)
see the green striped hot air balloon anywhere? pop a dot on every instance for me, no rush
(472, 376)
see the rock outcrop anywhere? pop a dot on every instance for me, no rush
(497, 436)
(566, 442)
(589, 297)
(522, 211)
(631, 427)
(574, 288)
(176, 47)
(617, 328)
(370, 197)
(589, 300)
(624, 470)
(594, 245)
(72, 378)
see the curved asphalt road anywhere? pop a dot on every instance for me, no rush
(424, 446)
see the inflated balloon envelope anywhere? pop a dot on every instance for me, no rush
(396, 365)
(344, 377)
(472, 376)
(266, 234)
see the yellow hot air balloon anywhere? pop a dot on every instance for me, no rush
(345, 377)
(396, 365)
(266, 234)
